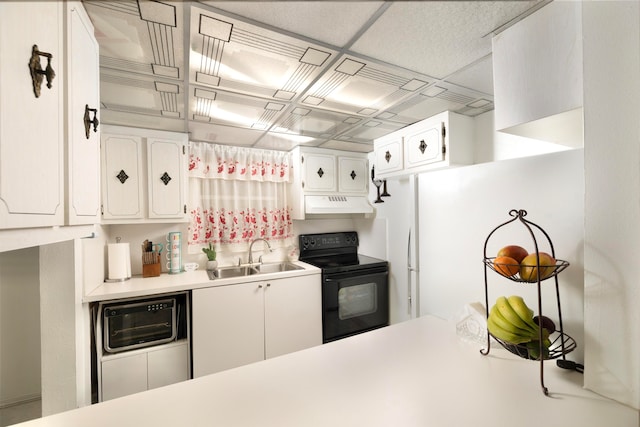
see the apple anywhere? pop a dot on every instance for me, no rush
(529, 269)
(513, 251)
(506, 266)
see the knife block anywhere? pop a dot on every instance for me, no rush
(151, 270)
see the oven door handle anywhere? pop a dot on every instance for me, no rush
(343, 276)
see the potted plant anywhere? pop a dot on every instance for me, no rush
(212, 264)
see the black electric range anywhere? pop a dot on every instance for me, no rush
(355, 289)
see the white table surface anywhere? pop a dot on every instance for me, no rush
(416, 373)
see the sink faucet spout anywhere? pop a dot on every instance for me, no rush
(251, 248)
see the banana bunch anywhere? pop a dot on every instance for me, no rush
(511, 321)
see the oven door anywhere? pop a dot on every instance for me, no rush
(139, 324)
(354, 302)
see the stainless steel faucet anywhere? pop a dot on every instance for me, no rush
(251, 249)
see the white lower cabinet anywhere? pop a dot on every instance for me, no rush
(132, 372)
(239, 324)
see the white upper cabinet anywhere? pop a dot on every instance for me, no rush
(444, 140)
(389, 154)
(352, 175)
(31, 126)
(49, 165)
(327, 171)
(424, 143)
(144, 175)
(329, 181)
(166, 178)
(537, 75)
(319, 172)
(122, 177)
(83, 76)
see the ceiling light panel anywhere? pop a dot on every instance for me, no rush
(235, 56)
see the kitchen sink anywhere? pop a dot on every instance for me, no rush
(235, 271)
(246, 270)
(277, 267)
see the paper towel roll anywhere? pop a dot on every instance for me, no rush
(119, 262)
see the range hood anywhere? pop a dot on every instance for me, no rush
(337, 204)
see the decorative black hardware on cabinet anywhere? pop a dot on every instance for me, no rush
(422, 146)
(122, 176)
(560, 343)
(387, 156)
(88, 121)
(37, 73)
(320, 172)
(353, 175)
(165, 178)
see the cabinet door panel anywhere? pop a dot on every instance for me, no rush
(31, 128)
(293, 315)
(168, 366)
(166, 175)
(84, 153)
(121, 169)
(424, 145)
(353, 175)
(388, 155)
(320, 172)
(123, 376)
(228, 327)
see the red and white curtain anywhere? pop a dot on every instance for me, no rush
(238, 194)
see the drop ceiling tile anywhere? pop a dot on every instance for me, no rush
(369, 130)
(332, 22)
(285, 142)
(314, 123)
(235, 56)
(478, 76)
(233, 109)
(136, 93)
(362, 87)
(222, 134)
(436, 38)
(348, 146)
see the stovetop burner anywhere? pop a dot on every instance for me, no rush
(335, 252)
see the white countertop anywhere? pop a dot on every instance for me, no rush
(139, 286)
(416, 373)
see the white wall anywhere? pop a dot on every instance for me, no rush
(19, 326)
(611, 54)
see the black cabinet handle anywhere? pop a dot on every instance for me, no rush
(37, 73)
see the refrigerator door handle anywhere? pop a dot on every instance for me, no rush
(410, 269)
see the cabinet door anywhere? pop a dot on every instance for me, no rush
(537, 70)
(352, 175)
(31, 128)
(319, 172)
(293, 315)
(121, 177)
(166, 177)
(168, 365)
(424, 144)
(123, 376)
(388, 154)
(83, 179)
(228, 327)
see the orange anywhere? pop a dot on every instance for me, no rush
(506, 266)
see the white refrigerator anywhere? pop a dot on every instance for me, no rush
(449, 214)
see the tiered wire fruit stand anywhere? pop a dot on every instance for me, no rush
(561, 343)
